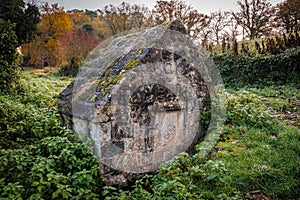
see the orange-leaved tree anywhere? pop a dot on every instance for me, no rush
(44, 49)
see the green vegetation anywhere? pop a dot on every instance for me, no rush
(9, 68)
(260, 70)
(131, 64)
(257, 150)
(257, 153)
(39, 158)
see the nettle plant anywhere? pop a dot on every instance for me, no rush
(246, 109)
(40, 159)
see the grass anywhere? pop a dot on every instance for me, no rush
(257, 161)
(283, 101)
(266, 158)
(257, 154)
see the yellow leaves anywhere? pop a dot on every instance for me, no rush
(101, 27)
(44, 49)
(79, 19)
(55, 24)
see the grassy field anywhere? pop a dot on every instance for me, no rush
(257, 155)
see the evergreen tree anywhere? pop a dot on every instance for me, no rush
(24, 16)
(9, 69)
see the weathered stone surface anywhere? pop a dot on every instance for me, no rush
(139, 100)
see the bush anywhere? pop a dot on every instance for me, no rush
(40, 159)
(72, 70)
(9, 68)
(55, 168)
(261, 70)
(245, 109)
(31, 115)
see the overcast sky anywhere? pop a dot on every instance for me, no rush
(203, 6)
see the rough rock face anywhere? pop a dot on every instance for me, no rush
(138, 98)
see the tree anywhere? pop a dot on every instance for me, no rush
(25, 16)
(79, 19)
(54, 21)
(101, 28)
(31, 19)
(219, 21)
(54, 24)
(231, 31)
(253, 16)
(288, 15)
(205, 35)
(63, 38)
(9, 69)
(91, 14)
(123, 17)
(76, 44)
(139, 16)
(168, 11)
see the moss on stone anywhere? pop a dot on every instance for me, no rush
(106, 91)
(106, 73)
(140, 49)
(117, 79)
(131, 64)
(111, 80)
(105, 82)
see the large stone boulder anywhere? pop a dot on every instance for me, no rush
(138, 98)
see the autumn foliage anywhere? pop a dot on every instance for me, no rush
(64, 38)
(61, 38)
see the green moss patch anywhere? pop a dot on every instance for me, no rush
(131, 64)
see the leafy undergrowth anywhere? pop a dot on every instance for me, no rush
(39, 159)
(257, 154)
(283, 101)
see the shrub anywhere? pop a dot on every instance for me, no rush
(261, 70)
(55, 168)
(9, 69)
(40, 159)
(72, 70)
